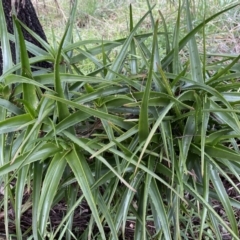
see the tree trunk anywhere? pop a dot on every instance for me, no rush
(25, 13)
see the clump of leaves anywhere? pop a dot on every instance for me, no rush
(148, 140)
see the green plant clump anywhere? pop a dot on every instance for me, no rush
(148, 141)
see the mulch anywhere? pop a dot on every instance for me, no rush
(82, 216)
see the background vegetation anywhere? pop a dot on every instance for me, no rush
(134, 133)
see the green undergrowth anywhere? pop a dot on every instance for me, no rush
(147, 136)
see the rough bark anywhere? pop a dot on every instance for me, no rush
(25, 13)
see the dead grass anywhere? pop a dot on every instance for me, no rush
(108, 19)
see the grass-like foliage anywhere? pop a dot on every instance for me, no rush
(148, 141)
